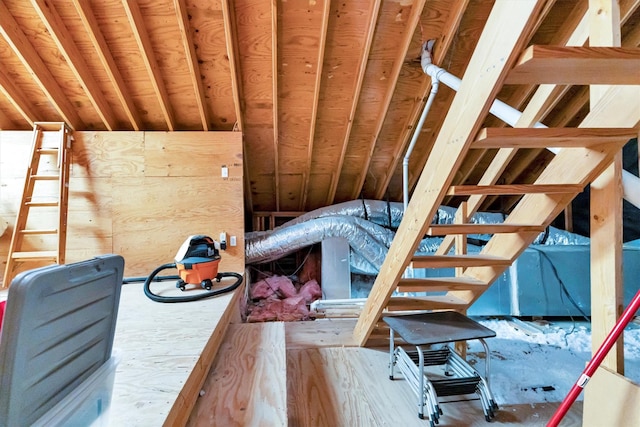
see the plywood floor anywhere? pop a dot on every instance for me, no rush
(331, 382)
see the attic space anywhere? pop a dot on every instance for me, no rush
(319, 212)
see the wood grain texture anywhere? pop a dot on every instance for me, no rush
(619, 393)
(320, 333)
(158, 356)
(577, 66)
(247, 383)
(550, 137)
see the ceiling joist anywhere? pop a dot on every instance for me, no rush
(136, 22)
(108, 63)
(192, 61)
(36, 67)
(72, 55)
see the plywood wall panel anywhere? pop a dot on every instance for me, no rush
(115, 208)
(182, 154)
(106, 154)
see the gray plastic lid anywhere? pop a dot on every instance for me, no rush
(58, 329)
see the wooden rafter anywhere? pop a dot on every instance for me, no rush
(108, 63)
(75, 60)
(505, 33)
(192, 61)
(29, 57)
(362, 68)
(136, 22)
(17, 99)
(412, 24)
(316, 101)
(446, 40)
(274, 91)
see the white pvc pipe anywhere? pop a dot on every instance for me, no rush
(414, 139)
(508, 114)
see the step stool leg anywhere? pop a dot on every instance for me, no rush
(392, 357)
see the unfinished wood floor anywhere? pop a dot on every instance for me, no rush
(329, 382)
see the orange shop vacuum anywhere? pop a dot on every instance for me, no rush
(197, 263)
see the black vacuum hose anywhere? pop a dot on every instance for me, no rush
(199, 296)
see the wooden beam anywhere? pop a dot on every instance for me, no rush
(512, 189)
(17, 99)
(29, 57)
(75, 60)
(607, 284)
(550, 137)
(506, 31)
(457, 10)
(316, 100)
(577, 66)
(448, 261)
(108, 63)
(231, 39)
(232, 52)
(192, 61)
(136, 22)
(446, 229)
(362, 68)
(274, 91)
(439, 284)
(412, 23)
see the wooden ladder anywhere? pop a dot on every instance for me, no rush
(585, 152)
(49, 163)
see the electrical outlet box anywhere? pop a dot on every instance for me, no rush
(225, 172)
(232, 241)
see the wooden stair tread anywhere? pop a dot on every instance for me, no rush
(34, 255)
(445, 229)
(513, 189)
(433, 284)
(576, 65)
(436, 302)
(248, 381)
(550, 137)
(447, 261)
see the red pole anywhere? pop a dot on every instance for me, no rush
(595, 362)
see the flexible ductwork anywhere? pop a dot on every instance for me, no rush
(363, 223)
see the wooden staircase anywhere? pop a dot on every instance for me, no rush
(49, 163)
(585, 152)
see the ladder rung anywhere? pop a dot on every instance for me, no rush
(439, 302)
(513, 189)
(448, 261)
(41, 204)
(49, 126)
(443, 230)
(38, 232)
(45, 177)
(576, 65)
(35, 255)
(432, 284)
(48, 150)
(551, 137)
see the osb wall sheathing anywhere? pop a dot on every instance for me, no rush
(137, 194)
